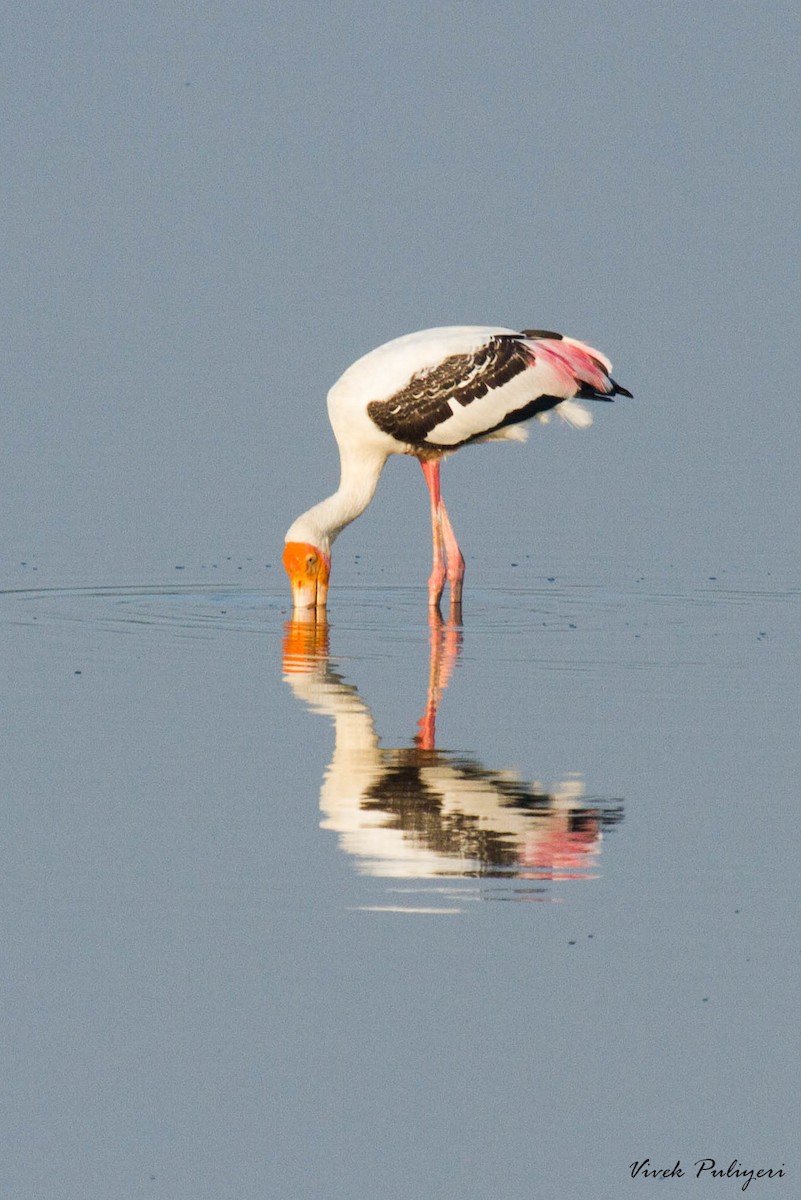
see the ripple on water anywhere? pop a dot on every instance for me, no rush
(180, 608)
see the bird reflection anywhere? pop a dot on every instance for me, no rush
(419, 812)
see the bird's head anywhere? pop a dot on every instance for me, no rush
(308, 569)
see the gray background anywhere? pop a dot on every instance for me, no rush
(209, 211)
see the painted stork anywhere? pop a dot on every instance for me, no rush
(427, 394)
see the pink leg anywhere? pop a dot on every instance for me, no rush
(445, 546)
(454, 556)
(436, 582)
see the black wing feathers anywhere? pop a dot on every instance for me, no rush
(412, 414)
(425, 402)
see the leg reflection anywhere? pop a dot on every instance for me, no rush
(419, 811)
(445, 644)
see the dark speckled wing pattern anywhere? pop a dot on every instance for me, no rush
(413, 414)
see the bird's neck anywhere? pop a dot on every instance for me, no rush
(320, 525)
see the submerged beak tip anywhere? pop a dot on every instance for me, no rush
(308, 570)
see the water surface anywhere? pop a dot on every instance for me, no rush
(379, 908)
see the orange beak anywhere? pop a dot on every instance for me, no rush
(308, 570)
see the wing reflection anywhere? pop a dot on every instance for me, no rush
(418, 812)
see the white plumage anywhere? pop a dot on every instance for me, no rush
(425, 395)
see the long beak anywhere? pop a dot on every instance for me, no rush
(306, 593)
(308, 569)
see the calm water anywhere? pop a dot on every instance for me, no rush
(378, 911)
(373, 908)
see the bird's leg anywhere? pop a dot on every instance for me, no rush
(436, 582)
(448, 558)
(455, 559)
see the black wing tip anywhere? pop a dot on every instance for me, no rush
(588, 392)
(530, 335)
(539, 334)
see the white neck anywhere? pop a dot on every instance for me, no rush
(360, 471)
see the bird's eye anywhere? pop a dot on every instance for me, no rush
(311, 562)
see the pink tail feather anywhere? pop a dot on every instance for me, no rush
(576, 363)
